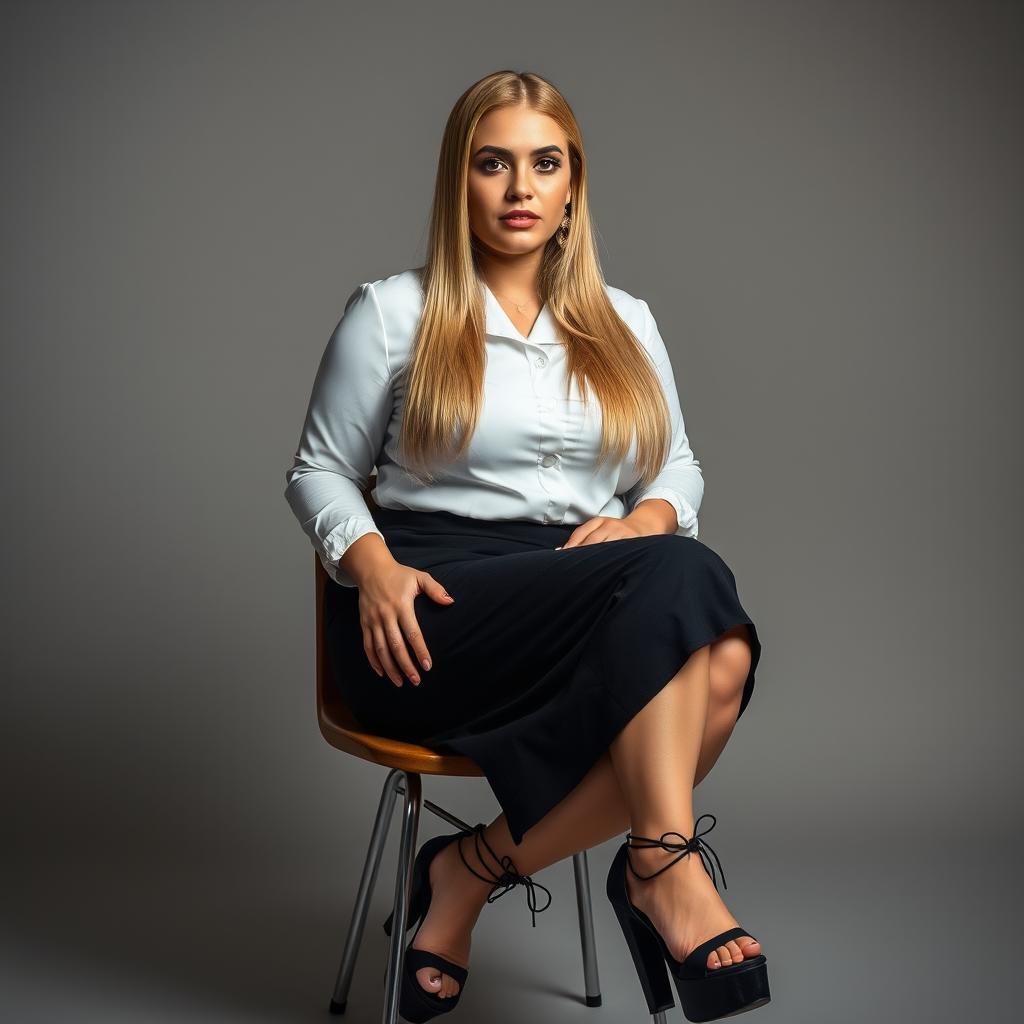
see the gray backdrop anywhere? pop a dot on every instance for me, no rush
(821, 203)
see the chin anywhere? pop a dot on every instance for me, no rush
(517, 246)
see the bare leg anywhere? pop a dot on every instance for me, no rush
(593, 812)
(730, 666)
(655, 759)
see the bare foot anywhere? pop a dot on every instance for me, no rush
(684, 905)
(456, 901)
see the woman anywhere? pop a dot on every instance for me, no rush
(534, 552)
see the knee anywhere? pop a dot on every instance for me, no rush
(730, 652)
(675, 552)
(730, 666)
(686, 552)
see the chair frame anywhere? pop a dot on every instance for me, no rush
(407, 762)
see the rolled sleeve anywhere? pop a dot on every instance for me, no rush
(342, 435)
(681, 480)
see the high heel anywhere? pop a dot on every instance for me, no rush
(416, 1004)
(704, 993)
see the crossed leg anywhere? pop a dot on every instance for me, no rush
(638, 782)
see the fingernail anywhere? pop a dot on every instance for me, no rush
(427, 663)
(559, 548)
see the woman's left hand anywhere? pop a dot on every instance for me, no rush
(602, 528)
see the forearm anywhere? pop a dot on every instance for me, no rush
(366, 556)
(654, 515)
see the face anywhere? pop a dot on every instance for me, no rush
(519, 160)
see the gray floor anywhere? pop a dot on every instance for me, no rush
(854, 929)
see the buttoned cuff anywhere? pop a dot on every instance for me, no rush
(339, 540)
(686, 515)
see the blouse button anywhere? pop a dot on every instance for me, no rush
(541, 361)
(549, 460)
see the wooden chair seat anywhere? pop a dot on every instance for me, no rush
(341, 729)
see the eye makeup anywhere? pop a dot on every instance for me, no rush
(556, 164)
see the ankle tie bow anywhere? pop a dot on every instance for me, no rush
(509, 877)
(692, 845)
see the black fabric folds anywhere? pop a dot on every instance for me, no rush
(545, 655)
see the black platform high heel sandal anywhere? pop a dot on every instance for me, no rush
(416, 1004)
(705, 993)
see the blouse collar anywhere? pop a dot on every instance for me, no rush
(498, 323)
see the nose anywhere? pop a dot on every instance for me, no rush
(520, 187)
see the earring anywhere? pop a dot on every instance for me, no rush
(562, 234)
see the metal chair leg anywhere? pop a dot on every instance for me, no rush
(409, 784)
(590, 979)
(366, 883)
(403, 891)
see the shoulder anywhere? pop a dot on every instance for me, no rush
(396, 293)
(399, 289)
(623, 301)
(389, 309)
(633, 310)
(398, 299)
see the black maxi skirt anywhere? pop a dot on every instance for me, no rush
(544, 656)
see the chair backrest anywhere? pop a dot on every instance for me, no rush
(341, 728)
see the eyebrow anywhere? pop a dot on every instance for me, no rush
(508, 155)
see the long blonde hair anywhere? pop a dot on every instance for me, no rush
(444, 386)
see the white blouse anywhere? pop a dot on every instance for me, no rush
(533, 454)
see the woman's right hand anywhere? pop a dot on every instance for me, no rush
(386, 613)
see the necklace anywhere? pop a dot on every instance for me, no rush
(520, 306)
